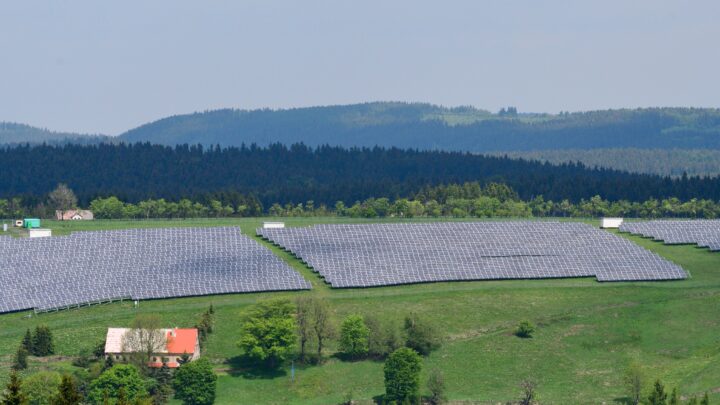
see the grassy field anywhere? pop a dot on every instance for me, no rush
(588, 332)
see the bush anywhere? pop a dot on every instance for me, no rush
(354, 337)
(525, 329)
(195, 383)
(421, 336)
(402, 375)
(436, 386)
(42, 387)
(384, 338)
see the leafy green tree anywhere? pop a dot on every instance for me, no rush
(692, 401)
(14, 394)
(436, 386)
(268, 332)
(43, 341)
(705, 400)
(107, 208)
(196, 383)
(657, 396)
(42, 387)
(402, 375)
(20, 361)
(421, 335)
(354, 337)
(525, 329)
(674, 398)
(124, 376)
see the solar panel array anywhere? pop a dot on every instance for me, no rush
(703, 232)
(86, 267)
(386, 254)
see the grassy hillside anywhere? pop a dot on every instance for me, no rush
(427, 126)
(587, 334)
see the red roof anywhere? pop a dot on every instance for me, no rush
(183, 341)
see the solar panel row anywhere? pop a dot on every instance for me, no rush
(386, 254)
(703, 232)
(85, 267)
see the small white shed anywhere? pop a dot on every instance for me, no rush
(39, 232)
(606, 223)
(273, 225)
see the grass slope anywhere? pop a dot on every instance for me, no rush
(587, 332)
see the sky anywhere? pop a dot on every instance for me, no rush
(106, 67)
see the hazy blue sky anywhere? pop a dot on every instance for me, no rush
(92, 66)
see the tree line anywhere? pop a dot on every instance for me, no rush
(453, 200)
(293, 174)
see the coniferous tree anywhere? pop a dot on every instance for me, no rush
(68, 393)
(20, 361)
(27, 341)
(658, 396)
(43, 341)
(13, 394)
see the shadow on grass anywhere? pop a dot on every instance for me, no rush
(240, 366)
(623, 401)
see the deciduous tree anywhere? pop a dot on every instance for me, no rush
(195, 383)
(354, 337)
(402, 375)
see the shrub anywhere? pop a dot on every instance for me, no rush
(436, 386)
(384, 338)
(42, 387)
(525, 329)
(354, 337)
(402, 375)
(421, 336)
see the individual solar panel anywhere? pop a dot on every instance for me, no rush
(87, 267)
(702, 232)
(385, 254)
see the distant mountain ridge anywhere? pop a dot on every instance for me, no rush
(12, 133)
(428, 127)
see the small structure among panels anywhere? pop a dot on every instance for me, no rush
(90, 267)
(368, 255)
(702, 232)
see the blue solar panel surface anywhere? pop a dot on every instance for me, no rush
(368, 255)
(84, 267)
(703, 232)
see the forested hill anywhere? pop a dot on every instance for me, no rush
(12, 133)
(299, 173)
(426, 126)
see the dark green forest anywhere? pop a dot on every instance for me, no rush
(665, 162)
(295, 174)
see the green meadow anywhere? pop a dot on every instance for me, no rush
(587, 332)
